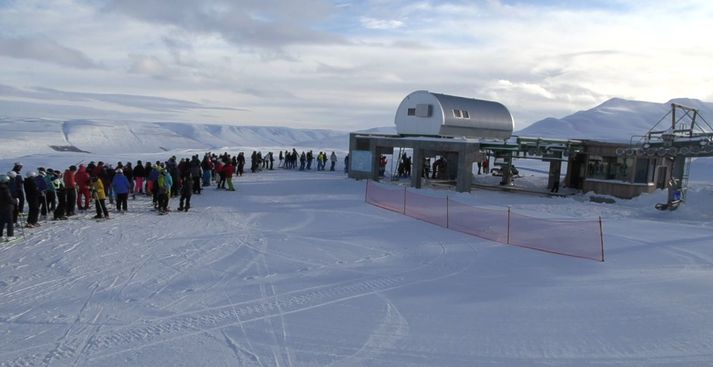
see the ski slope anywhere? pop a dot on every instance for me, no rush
(294, 269)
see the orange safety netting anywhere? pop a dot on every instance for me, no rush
(427, 208)
(486, 223)
(391, 198)
(578, 238)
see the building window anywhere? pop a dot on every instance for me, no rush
(609, 168)
(461, 114)
(412, 112)
(643, 167)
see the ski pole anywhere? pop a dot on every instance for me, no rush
(22, 226)
(47, 207)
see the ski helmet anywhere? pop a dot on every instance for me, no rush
(4, 178)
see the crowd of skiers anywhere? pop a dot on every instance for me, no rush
(61, 194)
(290, 160)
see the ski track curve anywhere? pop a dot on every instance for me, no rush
(149, 333)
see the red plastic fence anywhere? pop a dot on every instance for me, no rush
(427, 208)
(387, 197)
(486, 223)
(578, 238)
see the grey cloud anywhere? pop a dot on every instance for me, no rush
(151, 103)
(150, 65)
(251, 23)
(44, 50)
(11, 108)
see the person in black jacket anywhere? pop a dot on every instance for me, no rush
(7, 207)
(139, 174)
(32, 195)
(196, 174)
(186, 191)
(18, 191)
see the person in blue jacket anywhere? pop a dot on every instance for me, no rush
(121, 187)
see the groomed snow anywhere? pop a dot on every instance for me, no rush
(294, 269)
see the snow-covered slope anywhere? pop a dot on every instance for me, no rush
(295, 269)
(32, 136)
(614, 120)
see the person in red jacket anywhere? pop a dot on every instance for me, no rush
(82, 179)
(70, 185)
(228, 172)
(219, 170)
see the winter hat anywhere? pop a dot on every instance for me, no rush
(4, 178)
(72, 168)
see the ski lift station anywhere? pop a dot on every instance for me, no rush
(464, 131)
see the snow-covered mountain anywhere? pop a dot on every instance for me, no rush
(33, 136)
(614, 120)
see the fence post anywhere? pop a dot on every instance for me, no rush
(601, 237)
(508, 241)
(404, 200)
(366, 192)
(447, 211)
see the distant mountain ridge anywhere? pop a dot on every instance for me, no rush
(32, 136)
(614, 120)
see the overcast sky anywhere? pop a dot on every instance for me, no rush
(343, 64)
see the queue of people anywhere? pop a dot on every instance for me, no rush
(290, 160)
(58, 195)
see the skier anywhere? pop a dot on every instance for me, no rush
(61, 192)
(82, 179)
(241, 163)
(129, 174)
(121, 188)
(32, 194)
(185, 202)
(70, 184)
(172, 168)
(333, 159)
(196, 173)
(50, 195)
(164, 184)
(7, 207)
(99, 195)
(207, 167)
(42, 189)
(228, 171)
(139, 174)
(18, 191)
